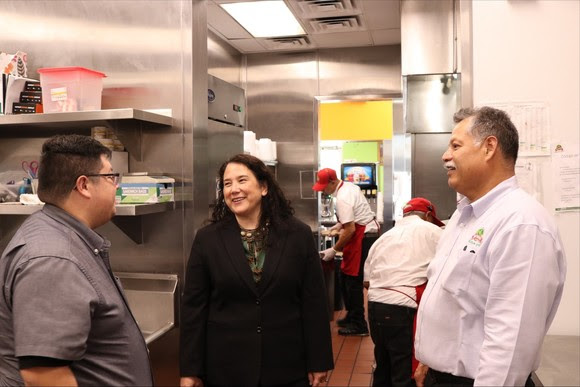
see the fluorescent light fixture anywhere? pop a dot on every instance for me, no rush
(265, 19)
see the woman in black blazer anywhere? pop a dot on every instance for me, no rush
(254, 309)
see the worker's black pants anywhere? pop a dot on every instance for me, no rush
(352, 294)
(352, 289)
(392, 333)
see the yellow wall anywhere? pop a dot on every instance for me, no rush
(360, 120)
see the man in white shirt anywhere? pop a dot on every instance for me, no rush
(355, 218)
(395, 274)
(497, 277)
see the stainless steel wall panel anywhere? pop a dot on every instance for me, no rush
(429, 177)
(197, 141)
(428, 37)
(223, 61)
(465, 50)
(431, 101)
(280, 93)
(298, 156)
(224, 141)
(147, 51)
(360, 71)
(388, 169)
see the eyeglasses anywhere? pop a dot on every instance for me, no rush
(113, 177)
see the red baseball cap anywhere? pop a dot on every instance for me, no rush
(324, 177)
(422, 205)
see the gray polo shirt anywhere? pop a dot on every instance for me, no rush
(60, 300)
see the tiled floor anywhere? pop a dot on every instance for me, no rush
(353, 358)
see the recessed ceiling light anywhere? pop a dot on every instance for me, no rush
(265, 19)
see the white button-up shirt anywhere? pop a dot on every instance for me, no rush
(352, 206)
(494, 288)
(399, 259)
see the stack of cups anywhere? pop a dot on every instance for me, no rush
(250, 142)
(265, 149)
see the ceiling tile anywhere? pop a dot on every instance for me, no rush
(385, 37)
(351, 39)
(382, 14)
(246, 46)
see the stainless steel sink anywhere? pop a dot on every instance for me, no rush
(152, 299)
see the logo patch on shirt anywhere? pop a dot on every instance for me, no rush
(477, 238)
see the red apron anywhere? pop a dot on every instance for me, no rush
(352, 252)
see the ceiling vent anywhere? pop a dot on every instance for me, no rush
(336, 24)
(288, 43)
(310, 9)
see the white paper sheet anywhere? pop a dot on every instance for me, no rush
(566, 167)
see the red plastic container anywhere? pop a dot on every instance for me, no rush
(70, 89)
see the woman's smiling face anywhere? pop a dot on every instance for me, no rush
(243, 193)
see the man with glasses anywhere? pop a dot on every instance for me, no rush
(497, 277)
(63, 317)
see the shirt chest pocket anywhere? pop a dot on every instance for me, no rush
(457, 280)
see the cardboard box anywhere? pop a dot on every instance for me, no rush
(145, 189)
(26, 108)
(31, 96)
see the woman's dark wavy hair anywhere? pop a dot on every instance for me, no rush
(275, 207)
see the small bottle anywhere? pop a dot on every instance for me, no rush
(26, 187)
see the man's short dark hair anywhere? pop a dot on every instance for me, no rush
(488, 121)
(64, 158)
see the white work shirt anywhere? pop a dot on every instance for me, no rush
(352, 206)
(494, 288)
(400, 257)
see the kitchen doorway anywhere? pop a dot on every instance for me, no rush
(362, 138)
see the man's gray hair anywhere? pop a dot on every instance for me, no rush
(488, 121)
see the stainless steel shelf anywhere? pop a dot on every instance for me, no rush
(18, 209)
(122, 209)
(85, 119)
(143, 209)
(128, 125)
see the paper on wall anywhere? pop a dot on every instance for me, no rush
(566, 167)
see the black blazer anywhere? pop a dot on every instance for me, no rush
(237, 333)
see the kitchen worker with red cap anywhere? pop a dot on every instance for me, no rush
(355, 217)
(395, 274)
